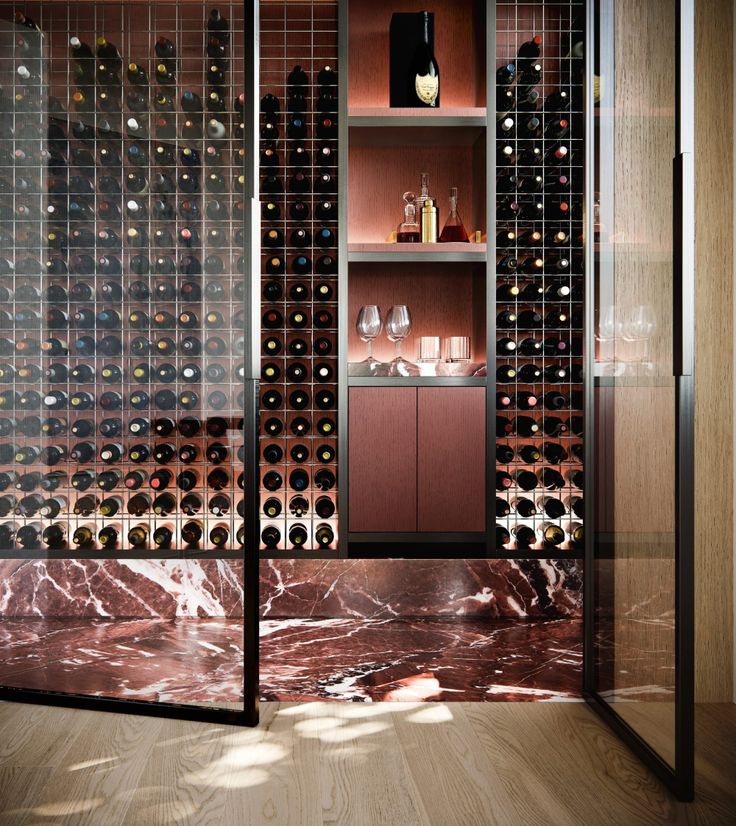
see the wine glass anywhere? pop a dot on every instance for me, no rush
(639, 323)
(368, 326)
(398, 327)
(637, 329)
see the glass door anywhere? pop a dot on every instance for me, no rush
(128, 566)
(639, 567)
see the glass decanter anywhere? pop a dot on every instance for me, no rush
(453, 229)
(408, 231)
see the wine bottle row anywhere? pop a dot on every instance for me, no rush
(122, 287)
(298, 160)
(539, 298)
(192, 535)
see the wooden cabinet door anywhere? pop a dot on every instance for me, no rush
(451, 465)
(382, 469)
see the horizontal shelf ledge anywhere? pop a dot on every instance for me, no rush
(35, 553)
(294, 554)
(552, 553)
(412, 253)
(457, 126)
(416, 536)
(416, 381)
(450, 117)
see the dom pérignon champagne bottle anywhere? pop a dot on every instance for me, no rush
(424, 74)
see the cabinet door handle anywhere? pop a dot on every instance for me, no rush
(683, 287)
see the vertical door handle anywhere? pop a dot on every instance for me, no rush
(683, 287)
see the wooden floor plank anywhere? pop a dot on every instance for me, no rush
(34, 735)
(274, 780)
(529, 775)
(185, 777)
(363, 777)
(20, 786)
(345, 764)
(101, 771)
(453, 776)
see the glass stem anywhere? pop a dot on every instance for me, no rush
(398, 349)
(370, 348)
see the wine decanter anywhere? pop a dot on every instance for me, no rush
(408, 231)
(453, 229)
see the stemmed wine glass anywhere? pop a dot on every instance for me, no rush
(369, 326)
(398, 327)
(637, 329)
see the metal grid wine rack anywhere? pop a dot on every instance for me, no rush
(298, 34)
(539, 332)
(71, 234)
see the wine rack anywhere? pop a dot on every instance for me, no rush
(298, 192)
(539, 277)
(122, 277)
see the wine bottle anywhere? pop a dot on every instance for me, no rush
(423, 79)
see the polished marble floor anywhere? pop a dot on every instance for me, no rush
(200, 661)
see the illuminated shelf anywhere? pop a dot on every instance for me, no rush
(36, 553)
(453, 117)
(454, 126)
(384, 252)
(417, 381)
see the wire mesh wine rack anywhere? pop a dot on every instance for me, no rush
(299, 335)
(540, 278)
(122, 283)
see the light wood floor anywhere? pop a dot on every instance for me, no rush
(383, 764)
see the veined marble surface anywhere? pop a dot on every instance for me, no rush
(392, 588)
(107, 588)
(339, 588)
(201, 661)
(421, 660)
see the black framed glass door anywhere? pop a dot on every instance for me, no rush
(128, 536)
(639, 647)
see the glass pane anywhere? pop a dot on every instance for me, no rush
(121, 350)
(635, 388)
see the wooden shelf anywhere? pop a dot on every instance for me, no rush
(388, 252)
(454, 126)
(295, 554)
(416, 381)
(451, 117)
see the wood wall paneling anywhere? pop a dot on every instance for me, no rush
(451, 459)
(382, 446)
(714, 375)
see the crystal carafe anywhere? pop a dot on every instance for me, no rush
(408, 231)
(453, 229)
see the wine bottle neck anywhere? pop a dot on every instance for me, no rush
(425, 28)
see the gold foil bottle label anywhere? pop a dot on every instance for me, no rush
(427, 88)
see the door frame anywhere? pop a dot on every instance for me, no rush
(680, 778)
(248, 715)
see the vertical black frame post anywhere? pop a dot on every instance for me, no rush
(680, 778)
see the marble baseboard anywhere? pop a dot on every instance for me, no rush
(421, 660)
(392, 588)
(315, 589)
(115, 588)
(200, 661)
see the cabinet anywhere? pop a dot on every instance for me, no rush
(402, 477)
